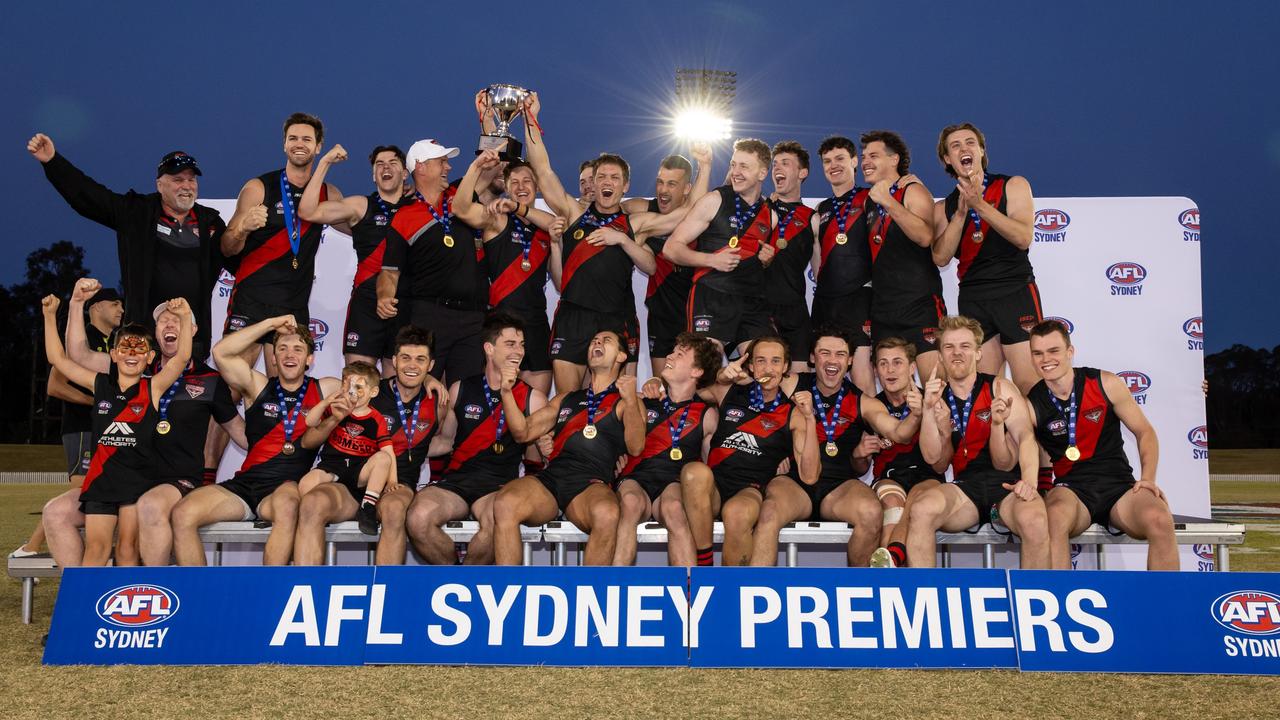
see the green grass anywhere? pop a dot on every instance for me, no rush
(1264, 461)
(29, 690)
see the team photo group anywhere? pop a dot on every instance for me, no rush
(870, 403)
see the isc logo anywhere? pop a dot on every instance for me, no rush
(1051, 225)
(1071, 327)
(137, 605)
(1251, 612)
(1138, 383)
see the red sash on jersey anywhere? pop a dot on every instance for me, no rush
(828, 242)
(579, 421)
(841, 428)
(885, 458)
(1094, 399)
(274, 248)
(750, 239)
(968, 250)
(102, 454)
(486, 433)
(798, 220)
(974, 442)
(658, 441)
(659, 276)
(584, 251)
(370, 266)
(880, 225)
(512, 277)
(270, 445)
(755, 426)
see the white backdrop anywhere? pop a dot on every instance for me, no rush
(1124, 273)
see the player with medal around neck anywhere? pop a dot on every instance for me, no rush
(588, 502)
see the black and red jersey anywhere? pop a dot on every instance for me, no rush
(750, 443)
(1098, 436)
(511, 286)
(736, 224)
(264, 268)
(662, 420)
(198, 395)
(264, 429)
(843, 267)
(972, 433)
(418, 421)
(991, 267)
(900, 458)
(902, 272)
(124, 424)
(668, 279)
(793, 241)
(438, 264)
(848, 426)
(369, 239)
(474, 451)
(597, 277)
(574, 453)
(356, 437)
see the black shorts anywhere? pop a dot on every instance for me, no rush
(183, 485)
(113, 488)
(730, 319)
(916, 323)
(347, 470)
(1099, 493)
(819, 491)
(791, 320)
(564, 487)
(89, 507)
(459, 349)
(367, 334)
(537, 338)
(851, 312)
(652, 484)
(252, 490)
(1010, 316)
(470, 487)
(666, 320)
(241, 313)
(986, 491)
(909, 477)
(730, 485)
(575, 326)
(77, 448)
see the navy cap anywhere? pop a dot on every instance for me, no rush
(175, 162)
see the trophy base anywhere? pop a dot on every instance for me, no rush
(507, 147)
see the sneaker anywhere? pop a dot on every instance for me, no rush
(882, 559)
(22, 552)
(367, 519)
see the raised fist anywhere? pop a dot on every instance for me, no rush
(335, 155)
(626, 385)
(558, 226)
(653, 389)
(387, 308)
(41, 147)
(254, 219)
(49, 304)
(803, 400)
(85, 289)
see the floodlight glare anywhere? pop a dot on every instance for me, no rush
(702, 126)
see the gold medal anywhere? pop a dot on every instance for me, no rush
(163, 427)
(831, 449)
(977, 236)
(578, 234)
(525, 265)
(497, 448)
(1073, 453)
(448, 241)
(878, 239)
(295, 263)
(782, 243)
(676, 454)
(733, 241)
(589, 432)
(841, 238)
(288, 448)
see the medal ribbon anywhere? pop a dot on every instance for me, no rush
(882, 223)
(289, 415)
(828, 419)
(171, 393)
(593, 402)
(491, 402)
(757, 399)
(958, 421)
(446, 220)
(409, 427)
(676, 430)
(1069, 413)
(291, 223)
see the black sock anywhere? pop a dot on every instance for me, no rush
(706, 556)
(899, 553)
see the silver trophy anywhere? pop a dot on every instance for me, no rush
(505, 102)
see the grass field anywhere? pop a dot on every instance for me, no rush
(29, 690)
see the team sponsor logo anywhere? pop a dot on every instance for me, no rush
(1058, 426)
(565, 412)
(734, 414)
(472, 411)
(134, 606)
(422, 426)
(984, 416)
(930, 335)
(270, 409)
(1138, 383)
(1026, 322)
(118, 434)
(379, 219)
(1252, 612)
(1199, 438)
(193, 391)
(280, 207)
(768, 424)
(235, 322)
(702, 324)
(742, 442)
(1189, 219)
(1093, 415)
(226, 281)
(104, 407)
(1051, 225)
(136, 409)
(1204, 557)
(651, 416)
(1071, 327)
(1126, 278)
(319, 329)
(353, 339)
(1193, 328)
(556, 345)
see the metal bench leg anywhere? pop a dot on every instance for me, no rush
(580, 550)
(1223, 563)
(28, 597)
(793, 555)
(946, 556)
(371, 557)
(330, 553)
(1100, 555)
(528, 554)
(217, 554)
(988, 556)
(561, 554)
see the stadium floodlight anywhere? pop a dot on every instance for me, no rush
(704, 101)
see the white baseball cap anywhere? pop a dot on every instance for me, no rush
(425, 150)
(155, 314)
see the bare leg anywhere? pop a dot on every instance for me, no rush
(392, 507)
(634, 508)
(431, 509)
(861, 373)
(155, 533)
(202, 506)
(669, 510)
(281, 509)
(701, 500)
(1066, 517)
(925, 363)
(856, 504)
(596, 511)
(523, 500)
(539, 380)
(62, 521)
(784, 503)
(1142, 515)
(480, 549)
(327, 503)
(99, 531)
(127, 537)
(1026, 518)
(944, 506)
(740, 513)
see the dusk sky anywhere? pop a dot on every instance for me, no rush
(1084, 99)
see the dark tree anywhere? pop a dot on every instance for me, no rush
(1244, 397)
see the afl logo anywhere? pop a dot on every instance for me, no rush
(1204, 552)
(734, 415)
(1126, 273)
(137, 605)
(1251, 612)
(1194, 328)
(1199, 437)
(318, 328)
(1137, 381)
(472, 409)
(1071, 327)
(1050, 220)
(1190, 219)
(226, 279)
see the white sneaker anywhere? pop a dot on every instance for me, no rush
(882, 559)
(21, 552)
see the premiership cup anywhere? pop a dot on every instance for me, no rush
(505, 103)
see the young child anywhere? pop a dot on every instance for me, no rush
(357, 448)
(124, 426)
